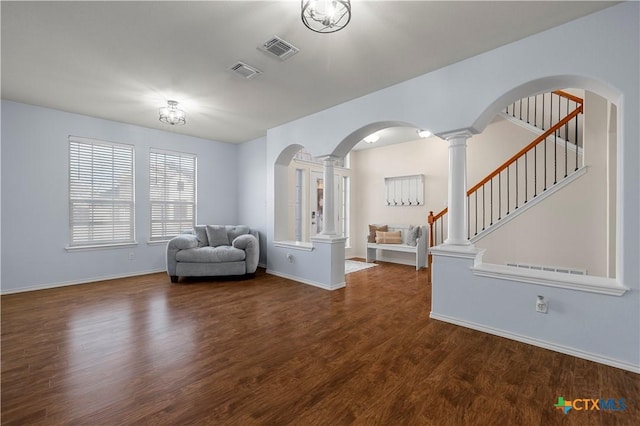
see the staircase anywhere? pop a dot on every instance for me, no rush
(551, 161)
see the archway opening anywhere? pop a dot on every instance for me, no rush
(561, 194)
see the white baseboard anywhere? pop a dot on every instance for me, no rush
(78, 282)
(308, 282)
(540, 343)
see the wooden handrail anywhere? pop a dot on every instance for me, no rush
(520, 153)
(564, 94)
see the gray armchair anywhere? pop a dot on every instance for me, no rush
(211, 250)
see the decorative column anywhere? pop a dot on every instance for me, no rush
(328, 247)
(457, 210)
(328, 208)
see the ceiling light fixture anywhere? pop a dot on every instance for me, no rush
(424, 133)
(326, 16)
(372, 138)
(173, 115)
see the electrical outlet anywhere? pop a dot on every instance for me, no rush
(290, 257)
(542, 305)
(131, 256)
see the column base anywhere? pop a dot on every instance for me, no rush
(457, 242)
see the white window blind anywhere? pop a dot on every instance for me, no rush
(101, 203)
(172, 193)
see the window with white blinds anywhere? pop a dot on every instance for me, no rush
(172, 193)
(101, 200)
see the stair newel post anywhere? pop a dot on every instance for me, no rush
(430, 221)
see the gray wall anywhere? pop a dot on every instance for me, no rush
(35, 213)
(252, 186)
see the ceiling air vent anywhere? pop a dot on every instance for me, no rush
(244, 70)
(279, 48)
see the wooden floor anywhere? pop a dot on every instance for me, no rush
(274, 352)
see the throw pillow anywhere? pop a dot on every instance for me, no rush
(217, 236)
(372, 232)
(235, 231)
(388, 237)
(413, 235)
(201, 233)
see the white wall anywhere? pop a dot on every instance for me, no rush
(252, 189)
(370, 167)
(35, 212)
(557, 231)
(466, 95)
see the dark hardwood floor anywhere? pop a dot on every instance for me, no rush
(274, 352)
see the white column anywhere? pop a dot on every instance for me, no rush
(457, 207)
(328, 208)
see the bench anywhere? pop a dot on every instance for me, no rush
(419, 250)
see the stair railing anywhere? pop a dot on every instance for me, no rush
(517, 180)
(542, 110)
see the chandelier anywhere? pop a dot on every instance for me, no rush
(173, 115)
(326, 16)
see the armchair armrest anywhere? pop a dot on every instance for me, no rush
(248, 243)
(183, 242)
(177, 243)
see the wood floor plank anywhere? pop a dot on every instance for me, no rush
(270, 351)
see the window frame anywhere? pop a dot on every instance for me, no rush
(179, 156)
(74, 200)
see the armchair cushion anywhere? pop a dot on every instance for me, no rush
(211, 255)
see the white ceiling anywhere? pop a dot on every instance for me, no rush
(123, 60)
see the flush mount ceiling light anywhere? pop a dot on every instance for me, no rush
(173, 115)
(326, 16)
(424, 133)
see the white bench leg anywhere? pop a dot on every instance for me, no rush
(371, 255)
